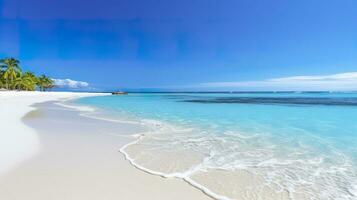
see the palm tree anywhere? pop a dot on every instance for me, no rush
(32, 76)
(11, 77)
(1, 79)
(12, 70)
(27, 82)
(2, 70)
(44, 82)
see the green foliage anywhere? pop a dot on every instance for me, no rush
(45, 83)
(12, 78)
(27, 82)
(2, 83)
(11, 71)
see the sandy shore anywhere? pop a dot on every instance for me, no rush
(17, 141)
(51, 152)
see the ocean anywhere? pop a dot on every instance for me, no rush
(244, 145)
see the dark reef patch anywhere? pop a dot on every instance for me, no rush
(278, 100)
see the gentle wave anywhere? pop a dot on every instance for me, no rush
(302, 166)
(88, 111)
(275, 169)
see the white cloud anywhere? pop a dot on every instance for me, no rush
(350, 76)
(69, 83)
(342, 81)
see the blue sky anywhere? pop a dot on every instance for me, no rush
(183, 44)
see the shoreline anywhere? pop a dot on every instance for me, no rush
(22, 176)
(217, 183)
(186, 176)
(136, 137)
(81, 145)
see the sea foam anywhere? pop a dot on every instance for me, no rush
(243, 152)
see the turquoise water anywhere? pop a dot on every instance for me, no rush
(293, 140)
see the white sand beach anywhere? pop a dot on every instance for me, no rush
(50, 152)
(19, 142)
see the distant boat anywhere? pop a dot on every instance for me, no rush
(119, 93)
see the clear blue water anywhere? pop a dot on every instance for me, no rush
(310, 135)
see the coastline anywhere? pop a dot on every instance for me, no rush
(258, 170)
(194, 176)
(73, 161)
(88, 151)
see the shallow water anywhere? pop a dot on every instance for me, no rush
(293, 145)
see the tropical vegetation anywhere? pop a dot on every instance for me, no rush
(12, 77)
